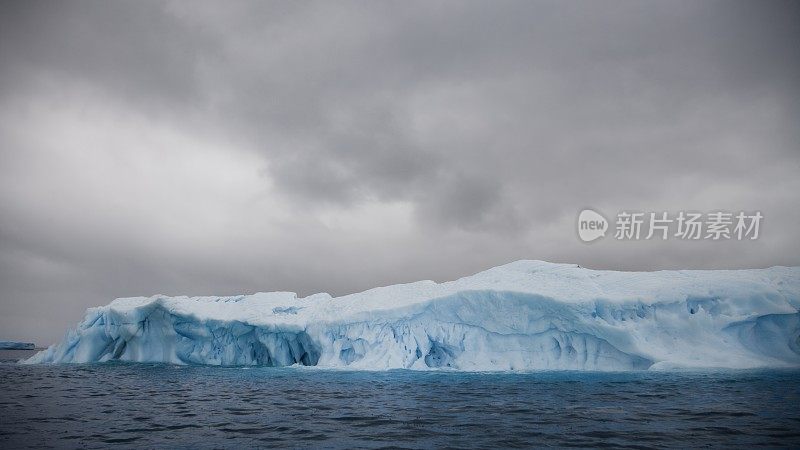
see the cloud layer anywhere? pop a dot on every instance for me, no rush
(198, 148)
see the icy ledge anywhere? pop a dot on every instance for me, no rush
(526, 315)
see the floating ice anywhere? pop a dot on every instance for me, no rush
(526, 315)
(11, 345)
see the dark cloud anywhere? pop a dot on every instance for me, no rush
(191, 147)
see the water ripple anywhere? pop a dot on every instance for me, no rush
(128, 405)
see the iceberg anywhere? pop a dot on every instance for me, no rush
(526, 315)
(12, 345)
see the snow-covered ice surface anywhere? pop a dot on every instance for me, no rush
(526, 315)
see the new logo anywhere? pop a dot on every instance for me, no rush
(591, 225)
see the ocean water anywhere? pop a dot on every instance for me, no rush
(164, 406)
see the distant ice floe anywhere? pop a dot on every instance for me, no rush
(10, 345)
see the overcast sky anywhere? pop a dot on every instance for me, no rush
(229, 147)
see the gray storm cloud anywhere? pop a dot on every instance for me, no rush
(220, 148)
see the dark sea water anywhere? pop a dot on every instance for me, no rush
(163, 406)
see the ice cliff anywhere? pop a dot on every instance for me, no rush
(526, 315)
